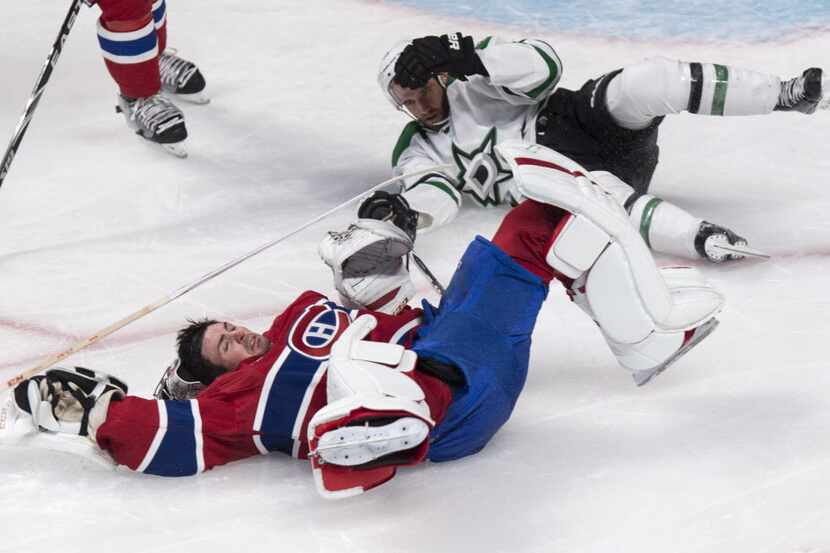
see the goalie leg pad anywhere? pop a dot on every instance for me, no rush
(354, 448)
(576, 245)
(367, 383)
(619, 307)
(695, 304)
(374, 439)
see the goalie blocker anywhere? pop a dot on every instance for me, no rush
(648, 316)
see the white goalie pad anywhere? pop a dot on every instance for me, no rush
(576, 245)
(374, 410)
(547, 176)
(641, 344)
(369, 262)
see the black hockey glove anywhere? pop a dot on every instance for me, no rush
(63, 400)
(384, 206)
(427, 56)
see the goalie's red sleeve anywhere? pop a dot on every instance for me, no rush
(263, 406)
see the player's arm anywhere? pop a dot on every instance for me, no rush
(167, 438)
(523, 72)
(433, 195)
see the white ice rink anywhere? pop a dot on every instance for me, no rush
(728, 451)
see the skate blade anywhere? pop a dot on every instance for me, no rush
(744, 251)
(644, 377)
(355, 445)
(176, 149)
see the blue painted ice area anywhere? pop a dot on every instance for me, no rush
(740, 20)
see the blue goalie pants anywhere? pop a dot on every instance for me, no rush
(482, 326)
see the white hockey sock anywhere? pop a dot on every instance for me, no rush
(665, 227)
(661, 86)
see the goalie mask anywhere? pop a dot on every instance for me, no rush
(177, 383)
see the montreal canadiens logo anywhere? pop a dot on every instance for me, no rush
(316, 329)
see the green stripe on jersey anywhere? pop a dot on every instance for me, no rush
(645, 219)
(404, 140)
(484, 43)
(721, 84)
(442, 187)
(553, 74)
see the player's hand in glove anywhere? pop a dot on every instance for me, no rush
(384, 206)
(427, 56)
(73, 401)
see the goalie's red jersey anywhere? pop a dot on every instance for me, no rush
(263, 406)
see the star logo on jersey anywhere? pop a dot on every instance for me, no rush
(480, 172)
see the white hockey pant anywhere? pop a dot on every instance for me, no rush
(664, 227)
(662, 86)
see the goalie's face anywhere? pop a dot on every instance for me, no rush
(226, 345)
(428, 105)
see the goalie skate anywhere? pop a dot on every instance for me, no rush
(357, 445)
(699, 333)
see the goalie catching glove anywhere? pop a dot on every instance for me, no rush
(370, 265)
(72, 401)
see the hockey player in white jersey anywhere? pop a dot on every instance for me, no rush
(464, 99)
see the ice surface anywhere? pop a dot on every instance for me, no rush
(727, 451)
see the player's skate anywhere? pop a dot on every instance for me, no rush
(802, 93)
(718, 244)
(157, 119)
(181, 78)
(373, 440)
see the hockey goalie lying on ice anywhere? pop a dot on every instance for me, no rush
(370, 384)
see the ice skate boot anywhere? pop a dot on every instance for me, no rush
(718, 244)
(157, 119)
(802, 93)
(181, 78)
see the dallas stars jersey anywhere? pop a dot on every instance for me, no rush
(484, 111)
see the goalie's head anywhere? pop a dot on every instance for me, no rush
(208, 349)
(427, 105)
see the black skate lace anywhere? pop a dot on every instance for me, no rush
(175, 71)
(792, 92)
(156, 113)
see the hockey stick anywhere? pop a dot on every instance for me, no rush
(146, 310)
(436, 284)
(40, 86)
